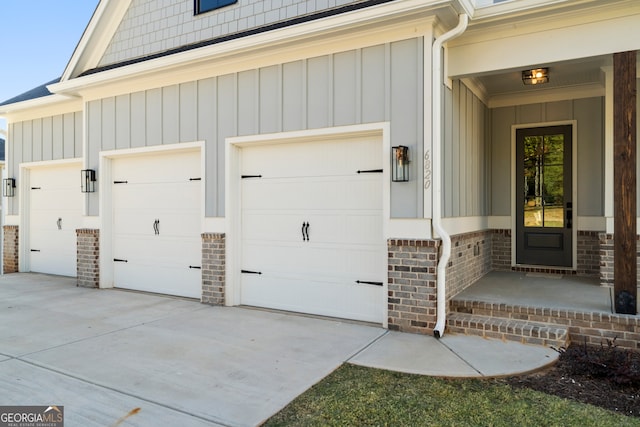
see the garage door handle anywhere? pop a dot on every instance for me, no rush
(59, 223)
(250, 272)
(305, 231)
(119, 260)
(156, 227)
(195, 267)
(35, 250)
(364, 282)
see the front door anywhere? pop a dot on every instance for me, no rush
(544, 206)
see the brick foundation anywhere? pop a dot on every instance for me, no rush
(471, 258)
(213, 268)
(412, 285)
(606, 259)
(88, 258)
(501, 250)
(588, 261)
(10, 249)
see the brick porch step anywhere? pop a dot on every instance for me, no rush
(523, 331)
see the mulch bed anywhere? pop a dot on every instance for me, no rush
(604, 376)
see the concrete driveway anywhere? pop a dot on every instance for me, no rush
(103, 353)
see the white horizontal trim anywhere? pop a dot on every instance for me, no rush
(310, 134)
(591, 223)
(465, 224)
(547, 95)
(214, 225)
(499, 222)
(51, 163)
(12, 220)
(91, 222)
(409, 228)
(372, 25)
(41, 107)
(182, 146)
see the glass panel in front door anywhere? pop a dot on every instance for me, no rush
(544, 181)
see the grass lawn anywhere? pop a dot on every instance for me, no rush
(358, 396)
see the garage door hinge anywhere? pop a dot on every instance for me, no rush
(251, 176)
(250, 272)
(195, 267)
(364, 282)
(120, 182)
(36, 188)
(195, 179)
(35, 250)
(371, 171)
(119, 260)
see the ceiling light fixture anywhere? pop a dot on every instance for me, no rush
(535, 76)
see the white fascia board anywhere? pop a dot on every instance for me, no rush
(40, 107)
(555, 38)
(313, 32)
(96, 37)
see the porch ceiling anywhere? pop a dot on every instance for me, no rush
(570, 74)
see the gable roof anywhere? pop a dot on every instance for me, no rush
(37, 92)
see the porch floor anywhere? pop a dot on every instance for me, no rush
(582, 294)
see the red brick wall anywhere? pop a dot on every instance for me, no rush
(10, 249)
(412, 285)
(213, 268)
(88, 257)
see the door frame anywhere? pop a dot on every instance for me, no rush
(574, 190)
(233, 188)
(24, 204)
(105, 188)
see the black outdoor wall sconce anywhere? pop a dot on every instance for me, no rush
(9, 187)
(400, 164)
(88, 182)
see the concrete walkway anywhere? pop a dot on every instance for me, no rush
(103, 353)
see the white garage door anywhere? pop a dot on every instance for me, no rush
(156, 223)
(312, 237)
(55, 212)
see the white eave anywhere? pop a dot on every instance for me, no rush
(262, 46)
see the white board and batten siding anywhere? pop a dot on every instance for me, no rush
(312, 228)
(156, 223)
(55, 212)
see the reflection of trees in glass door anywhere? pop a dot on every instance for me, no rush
(543, 181)
(544, 206)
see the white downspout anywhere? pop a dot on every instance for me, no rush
(436, 127)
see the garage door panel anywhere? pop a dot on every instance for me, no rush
(315, 271)
(175, 196)
(178, 251)
(144, 169)
(354, 261)
(157, 223)
(326, 158)
(140, 276)
(169, 223)
(324, 227)
(55, 213)
(303, 294)
(344, 192)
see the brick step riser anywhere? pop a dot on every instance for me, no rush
(594, 328)
(508, 330)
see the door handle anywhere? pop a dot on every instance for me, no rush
(59, 223)
(156, 227)
(305, 231)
